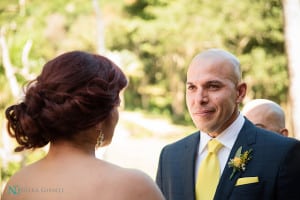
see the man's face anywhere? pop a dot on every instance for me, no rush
(213, 94)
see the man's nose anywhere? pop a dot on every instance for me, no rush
(201, 96)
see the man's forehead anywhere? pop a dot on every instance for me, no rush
(210, 79)
(216, 72)
(218, 60)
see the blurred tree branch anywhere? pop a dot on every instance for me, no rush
(8, 67)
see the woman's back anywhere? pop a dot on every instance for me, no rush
(75, 176)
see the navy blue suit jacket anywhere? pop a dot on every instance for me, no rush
(275, 161)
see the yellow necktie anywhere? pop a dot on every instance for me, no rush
(209, 172)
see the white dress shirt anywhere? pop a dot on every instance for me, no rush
(227, 138)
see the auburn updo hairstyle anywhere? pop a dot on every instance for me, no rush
(74, 91)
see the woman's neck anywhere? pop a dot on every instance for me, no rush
(63, 148)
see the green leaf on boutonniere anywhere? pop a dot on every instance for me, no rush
(238, 163)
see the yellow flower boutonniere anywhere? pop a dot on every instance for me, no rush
(238, 163)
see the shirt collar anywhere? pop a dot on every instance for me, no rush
(227, 137)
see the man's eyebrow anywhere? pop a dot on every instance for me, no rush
(214, 82)
(208, 82)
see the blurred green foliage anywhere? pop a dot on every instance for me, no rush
(167, 34)
(153, 41)
(11, 168)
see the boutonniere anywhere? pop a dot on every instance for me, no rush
(238, 163)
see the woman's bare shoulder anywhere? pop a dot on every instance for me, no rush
(114, 181)
(136, 184)
(22, 175)
(16, 183)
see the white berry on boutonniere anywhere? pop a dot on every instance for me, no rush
(238, 163)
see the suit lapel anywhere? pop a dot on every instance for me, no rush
(246, 138)
(191, 148)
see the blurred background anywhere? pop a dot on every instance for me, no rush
(153, 41)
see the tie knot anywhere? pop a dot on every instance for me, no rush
(214, 146)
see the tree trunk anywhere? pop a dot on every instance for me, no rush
(9, 69)
(100, 28)
(292, 40)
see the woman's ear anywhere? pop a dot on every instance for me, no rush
(99, 126)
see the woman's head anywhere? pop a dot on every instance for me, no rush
(74, 92)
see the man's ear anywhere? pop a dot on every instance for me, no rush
(284, 132)
(241, 92)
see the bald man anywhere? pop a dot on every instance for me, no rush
(201, 166)
(266, 114)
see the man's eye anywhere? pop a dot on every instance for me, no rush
(214, 86)
(191, 87)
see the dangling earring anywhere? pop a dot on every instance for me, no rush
(100, 139)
